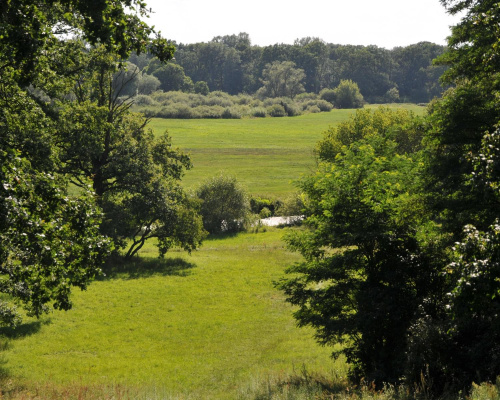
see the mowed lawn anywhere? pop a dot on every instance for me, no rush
(206, 325)
(266, 155)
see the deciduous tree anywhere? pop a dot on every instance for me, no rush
(366, 273)
(281, 79)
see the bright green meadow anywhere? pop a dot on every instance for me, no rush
(205, 325)
(266, 155)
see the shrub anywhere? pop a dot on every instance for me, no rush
(328, 95)
(243, 99)
(231, 113)
(292, 205)
(291, 108)
(324, 105)
(258, 203)
(347, 95)
(313, 109)
(209, 112)
(143, 100)
(160, 96)
(392, 95)
(180, 111)
(259, 112)
(224, 204)
(201, 87)
(218, 101)
(276, 110)
(265, 213)
(306, 96)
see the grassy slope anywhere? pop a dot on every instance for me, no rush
(206, 324)
(264, 154)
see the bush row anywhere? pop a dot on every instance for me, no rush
(176, 104)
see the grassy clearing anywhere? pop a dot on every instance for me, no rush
(265, 154)
(199, 326)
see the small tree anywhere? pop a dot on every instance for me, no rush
(347, 95)
(135, 175)
(201, 87)
(224, 204)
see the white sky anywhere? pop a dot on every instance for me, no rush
(385, 23)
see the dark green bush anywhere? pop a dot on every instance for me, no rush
(224, 204)
(259, 112)
(276, 110)
(328, 95)
(231, 113)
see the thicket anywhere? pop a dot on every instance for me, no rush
(401, 251)
(215, 105)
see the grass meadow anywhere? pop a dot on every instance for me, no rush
(266, 155)
(203, 326)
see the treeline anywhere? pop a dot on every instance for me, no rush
(233, 65)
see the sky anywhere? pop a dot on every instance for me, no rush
(385, 23)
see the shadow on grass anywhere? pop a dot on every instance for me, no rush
(22, 330)
(119, 267)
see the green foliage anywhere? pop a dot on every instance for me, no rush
(281, 79)
(328, 95)
(392, 95)
(473, 44)
(293, 204)
(257, 204)
(458, 123)
(49, 241)
(486, 390)
(474, 304)
(365, 272)
(172, 77)
(28, 30)
(134, 175)
(462, 195)
(201, 87)
(276, 110)
(147, 84)
(347, 95)
(399, 125)
(224, 204)
(265, 213)
(240, 68)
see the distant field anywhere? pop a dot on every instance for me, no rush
(208, 325)
(265, 154)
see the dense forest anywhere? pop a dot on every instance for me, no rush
(233, 65)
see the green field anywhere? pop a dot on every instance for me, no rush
(264, 154)
(208, 325)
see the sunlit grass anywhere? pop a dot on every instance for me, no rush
(265, 154)
(204, 325)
